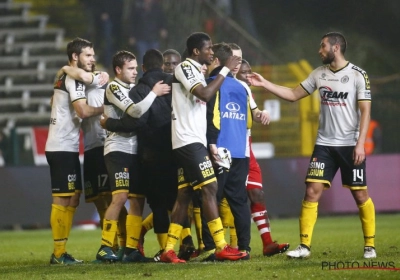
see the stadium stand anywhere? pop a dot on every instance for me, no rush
(30, 55)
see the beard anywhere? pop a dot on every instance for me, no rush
(329, 58)
(205, 61)
(85, 67)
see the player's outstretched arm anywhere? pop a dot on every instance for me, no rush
(285, 93)
(262, 117)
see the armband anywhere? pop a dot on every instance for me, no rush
(224, 71)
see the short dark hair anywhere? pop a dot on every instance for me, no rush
(120, 58)
(152, 59)
(336, 38)
(171, 52)
(244, 61)
(196, 41)
(234, 46)
(222, 51)
(76, 46)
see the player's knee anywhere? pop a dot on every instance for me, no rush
(256, 195)
(360, 196)
(184, 195)
(209, 190)
(119, 199)
(313, 191)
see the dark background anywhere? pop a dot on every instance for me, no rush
(292, 30)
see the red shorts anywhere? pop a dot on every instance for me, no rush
(254, 180)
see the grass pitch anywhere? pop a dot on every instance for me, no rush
(337, 252)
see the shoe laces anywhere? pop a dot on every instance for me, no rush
(171, 254)
(230, 249)
(301, 248)
(68, 256)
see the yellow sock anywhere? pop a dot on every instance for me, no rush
(225, 212)
(162, 239)
(58, 222)
(121, 231)
(109, 232)
(174, 232)
(197, 224)
(184, 233)
(148, 222)
(228, 221)
(307, 220)
(367, 216)
(70, 217)
(233, 237)
(217, 232)
(133, 228)
(232, 230)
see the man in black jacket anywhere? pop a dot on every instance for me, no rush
(157, 170)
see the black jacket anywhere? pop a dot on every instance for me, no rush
(153, 127)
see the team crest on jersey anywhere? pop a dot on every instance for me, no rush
(117, 92)
(344, 79)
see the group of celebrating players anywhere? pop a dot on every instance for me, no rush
(182, 142)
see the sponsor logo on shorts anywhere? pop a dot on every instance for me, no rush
(316, 168)
(122, 178)
(88, 188)
(181, 178)
(71, 181)
(206, 168)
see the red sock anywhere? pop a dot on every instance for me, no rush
(260, 217)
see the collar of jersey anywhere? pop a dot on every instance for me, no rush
(125, 85)
(335, 71)
(195, 63)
